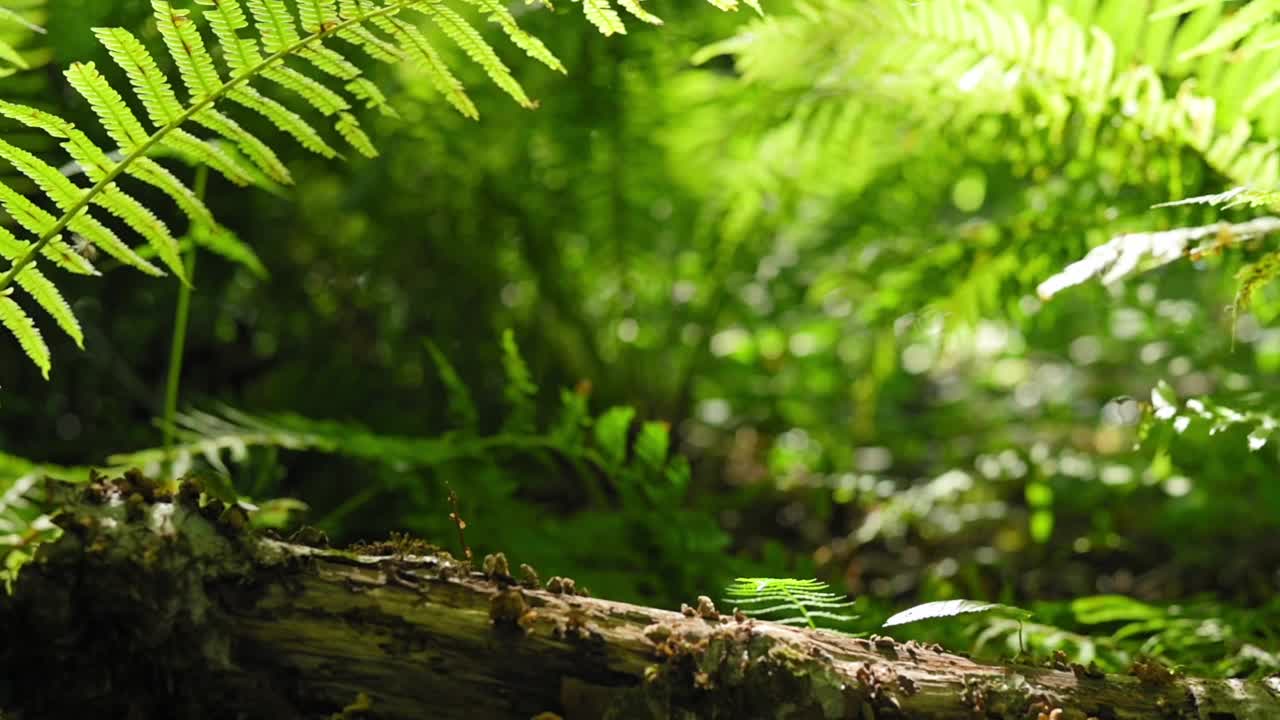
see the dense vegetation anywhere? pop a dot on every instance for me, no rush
(953, 299)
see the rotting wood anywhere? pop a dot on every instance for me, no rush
(151, 606)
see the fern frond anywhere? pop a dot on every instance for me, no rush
(231, 433)
(949, 608)
(127, 131)
(221, 241)
(1254, 276)
(795, 602)
(601, 14)
(349, 128)
(462, 408)
(36, 221)
(362, 88)
(469, 40)
(96, 163)
(531, 45)
(520, 389)
(1250, 412)
(1235, 197)
(983, 58)
(429, 60)
(635, 8)
(41, 289)
(274, 31)
(66, 194)
(13, 317)
(242, 54)
(1132, 253)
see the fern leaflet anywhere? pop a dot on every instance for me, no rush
(13, 317)
(948, 608)
(788, 601)
(1132, 253)
(601, 14)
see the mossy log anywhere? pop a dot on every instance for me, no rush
(151, 606)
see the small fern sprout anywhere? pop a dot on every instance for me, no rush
(788, 601)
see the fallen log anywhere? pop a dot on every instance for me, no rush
(157, 606)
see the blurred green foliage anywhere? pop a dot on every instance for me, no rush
(785, 271)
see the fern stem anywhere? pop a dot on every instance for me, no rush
(804, 612)
(205, 103)
(178, 347)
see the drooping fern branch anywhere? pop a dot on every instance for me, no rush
(1040, 61)
(1133, 253)
(279, 31)
(787, 601)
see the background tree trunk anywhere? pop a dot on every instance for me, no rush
(150, 606)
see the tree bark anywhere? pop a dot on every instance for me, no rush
(153, 606)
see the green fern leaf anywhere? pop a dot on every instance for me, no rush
(601, 14)
(1181, 8)
(437, 71)
(221, 241)
(272, 36)
(1132, 253)
(520, 390)
(611, 430)
(226, 20)
(41, 289)
(284, 119)
(275, 25)
(36, 221)
(948, 608)
(349, 128)
(462, 409)
(725, 5)
(127, 131)
(66, 194)
(1235, 27)
(531, 45)
(10, 55)
(365, 89)
(316, 15)
(19, 323)
(163, 106)
(635, 8)
(119, 122)
(652, 445)
(1254, 276)
(788, 601)
(97, 164)
(372, 45)
(331, 63)
(186, 46)
(243, 54)
(457, 29)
